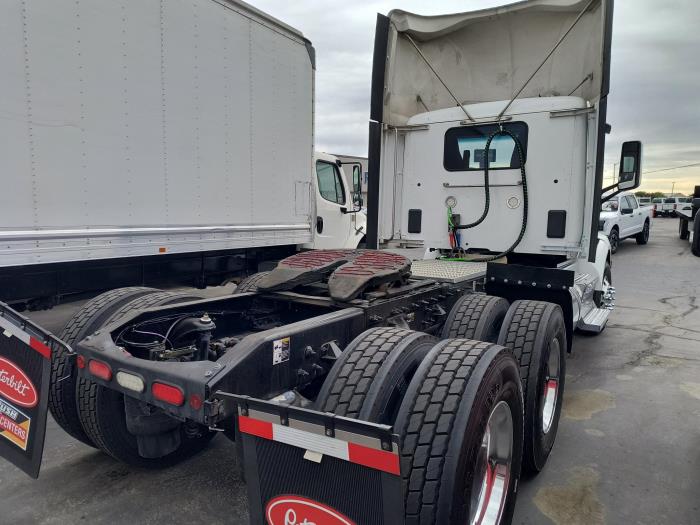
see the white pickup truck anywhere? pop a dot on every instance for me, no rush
(671, 206)
(622, 217)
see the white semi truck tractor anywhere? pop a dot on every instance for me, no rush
(364, 386)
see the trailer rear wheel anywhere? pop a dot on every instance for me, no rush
(102, 410)
(461, 430)
(371, 376)
(476, 316)
(62, 391)
(536, 333)
(695, 246)
(250, 283)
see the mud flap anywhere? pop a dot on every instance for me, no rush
(25, 371)
(304, 466)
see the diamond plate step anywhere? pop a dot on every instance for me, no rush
(594, 321)
(448, 271)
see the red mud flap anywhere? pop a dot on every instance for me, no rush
(304, 466)
(25, 371)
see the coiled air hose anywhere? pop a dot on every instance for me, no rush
(487, 191)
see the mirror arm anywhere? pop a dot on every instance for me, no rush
(606, 198)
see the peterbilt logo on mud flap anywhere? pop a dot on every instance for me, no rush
(16, 386)
(296, 510)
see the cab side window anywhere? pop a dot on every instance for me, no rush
(330, 184)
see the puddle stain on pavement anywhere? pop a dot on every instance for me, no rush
(661, 361)
(624, 377)
(575, 503)
(692, 389)
(580, 405)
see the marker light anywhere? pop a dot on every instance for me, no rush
(168, 394)
(100, 369)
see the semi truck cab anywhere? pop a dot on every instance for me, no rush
(340, 221)
(487, 138)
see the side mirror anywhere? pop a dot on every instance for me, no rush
(357, 184)
(356, 178)
(630, 176)
(626, 211)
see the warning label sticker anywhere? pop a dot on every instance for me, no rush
(14, 425)
(280, 351)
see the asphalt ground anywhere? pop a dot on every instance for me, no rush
(627, 452)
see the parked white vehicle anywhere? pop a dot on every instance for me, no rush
(622, 217)
(671, 205)
(190, 163)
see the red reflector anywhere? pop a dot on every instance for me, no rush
(168, 393)
(80, 361)
(377, 459)
(196, 401)
(40, 347)
(255, 427)
(100, 369)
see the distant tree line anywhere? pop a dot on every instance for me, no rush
(653, 194)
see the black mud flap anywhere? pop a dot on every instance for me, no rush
(304, 466)
(25, 371)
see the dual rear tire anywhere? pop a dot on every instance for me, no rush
(96, 415)
(457, 406)
(63, 386)
(536, 333)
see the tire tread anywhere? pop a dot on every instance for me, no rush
(349, 388)
(60, 393)
(428, 425)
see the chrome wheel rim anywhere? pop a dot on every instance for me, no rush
(551, 386)
(493, 468)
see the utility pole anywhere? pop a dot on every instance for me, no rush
(673, 187)
(614, 171)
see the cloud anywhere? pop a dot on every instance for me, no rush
(655, 78)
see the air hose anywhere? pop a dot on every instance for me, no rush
(487, 190)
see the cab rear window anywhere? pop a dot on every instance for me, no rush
(465, 147)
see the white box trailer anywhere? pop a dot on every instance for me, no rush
(149, 138)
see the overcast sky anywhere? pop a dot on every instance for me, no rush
(655, 77)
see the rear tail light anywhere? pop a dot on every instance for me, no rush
(100, 369)
(675, 206)
(130, 382)
(168, 394)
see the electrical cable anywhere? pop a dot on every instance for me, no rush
(487, 191)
